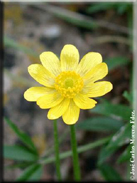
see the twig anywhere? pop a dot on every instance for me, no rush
(115, 39)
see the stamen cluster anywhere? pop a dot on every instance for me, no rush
(68, 83)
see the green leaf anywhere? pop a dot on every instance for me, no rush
(116, 62)
(109, 173)
(125, 156)
(111, 110)
(23, 137)
(32, 173)
(105, 154)
(96, 7)
(120, 137)
(19, 153)
(78, 21)
(72, 17)
(100, 124)
(124, 8)
(128, 96)
(22, 165)
(120, 7)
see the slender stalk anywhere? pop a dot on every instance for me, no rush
(76, 166)
(56, 147)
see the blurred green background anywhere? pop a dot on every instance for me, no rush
(103, 133)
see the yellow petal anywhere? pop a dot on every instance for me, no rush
(98, 89)
(33, 93)
(84, 102)
(71, 115)
(89, 61)
(69, 57)
(49, 100)
(51, 62)
(98, 72)
(58, 110)
(41, 75)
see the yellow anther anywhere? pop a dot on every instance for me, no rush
(68, 83)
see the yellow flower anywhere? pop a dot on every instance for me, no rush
(68, 84)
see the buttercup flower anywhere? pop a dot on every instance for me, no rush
(68, 85)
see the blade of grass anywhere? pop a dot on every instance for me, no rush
(109, 38)
(79, 19)
(8, 42)
(80, 150)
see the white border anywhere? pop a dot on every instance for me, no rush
(134, 49)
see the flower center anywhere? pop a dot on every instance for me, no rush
(68, 83)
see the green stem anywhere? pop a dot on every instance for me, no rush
(56, 147)
(76, 166)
